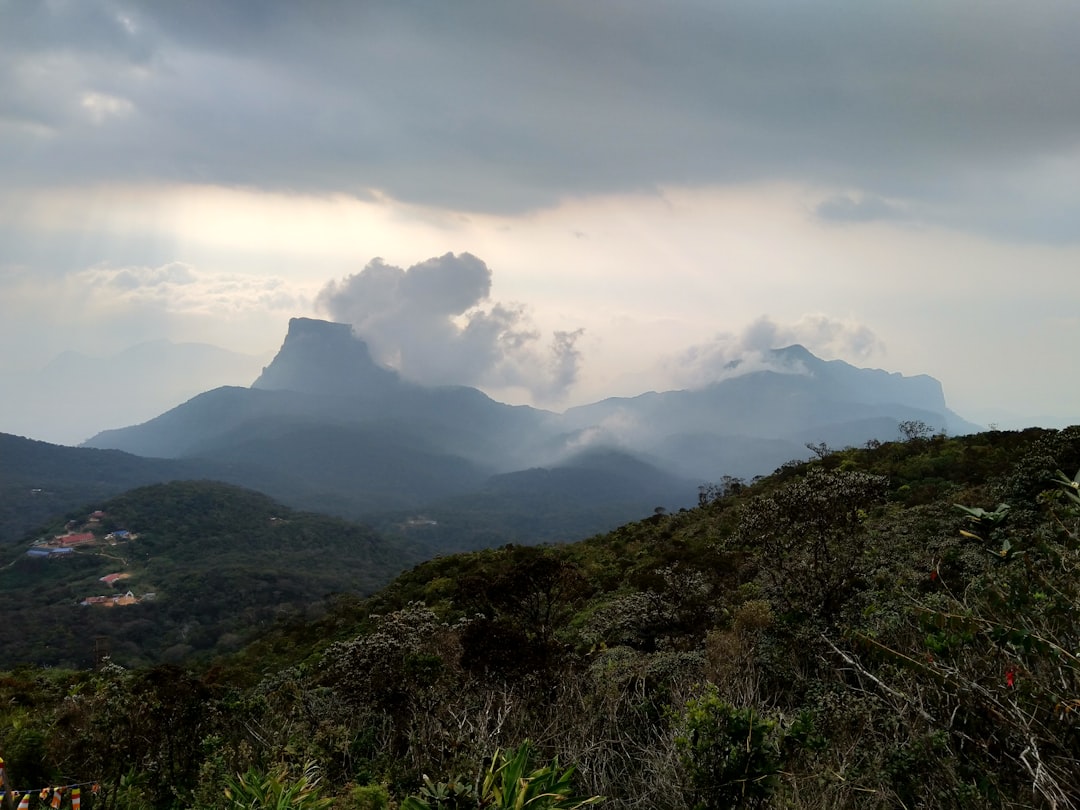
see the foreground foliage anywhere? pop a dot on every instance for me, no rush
(839, 634)
(509, 783)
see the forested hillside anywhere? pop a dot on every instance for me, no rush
(892, 626)
(208, 567)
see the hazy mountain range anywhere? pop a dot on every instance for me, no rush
(324, 427)
(323, 379)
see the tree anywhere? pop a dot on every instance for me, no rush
(811, 537)
(911, 429)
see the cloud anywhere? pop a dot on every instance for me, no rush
(101, 107)
(105, 309)
(132, 278)
(847, 208)
(621, 428)
(486, 106)
(730, 355)
(435, 323)
(178, 288)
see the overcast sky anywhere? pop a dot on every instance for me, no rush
(555, 201)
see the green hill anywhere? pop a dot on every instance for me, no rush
(221, 564)
(837, 634)
(39, 480)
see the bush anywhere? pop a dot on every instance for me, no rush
(368, 797)
(508, 784)
(731, 755)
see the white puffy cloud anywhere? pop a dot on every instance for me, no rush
(733, 354)
(435, 323)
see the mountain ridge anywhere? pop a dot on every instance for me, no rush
(386, 441)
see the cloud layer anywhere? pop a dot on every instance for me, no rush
(104, 309)
(435, 323)
(952, 113)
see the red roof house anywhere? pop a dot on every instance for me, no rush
(68, 540)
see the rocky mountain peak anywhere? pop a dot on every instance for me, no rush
(321, 357)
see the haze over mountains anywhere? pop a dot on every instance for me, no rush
(75, 394)
(323, 374)
(326, 428)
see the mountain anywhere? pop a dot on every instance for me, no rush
(222, 564)
(324, 375)
(747, 424)
(325, 427)
(589, 493)
(39, 481)
(325, 358)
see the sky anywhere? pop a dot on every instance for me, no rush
(553, 201)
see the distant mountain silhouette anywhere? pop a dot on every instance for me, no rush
(748, 424)
(326, 427)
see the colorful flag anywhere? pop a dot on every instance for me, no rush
(1, 771)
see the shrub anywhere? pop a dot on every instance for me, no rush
(507, 784)
(731, 755)
(277, 790)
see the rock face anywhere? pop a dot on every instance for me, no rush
(325, 358)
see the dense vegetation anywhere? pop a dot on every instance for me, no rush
(837, 634)
(372, 476)
(593, 492)
(39, 480)
(223, 564)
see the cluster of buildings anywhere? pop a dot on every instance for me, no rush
(61, 544)
(77, 536)
(118, 600)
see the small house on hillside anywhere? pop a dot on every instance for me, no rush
(50, 552)
(72, 540)
(111, 601)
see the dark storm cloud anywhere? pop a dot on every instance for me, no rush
(435, 323)
(503, 106)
